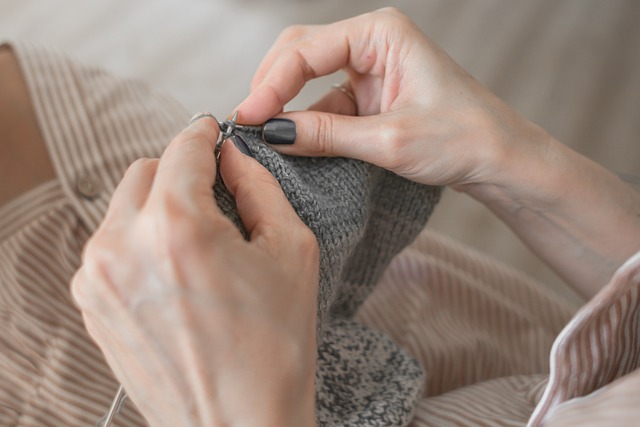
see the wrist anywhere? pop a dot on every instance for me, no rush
(574, 214)
(277, 391)
(519, 162)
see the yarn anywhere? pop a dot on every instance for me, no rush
(362, 216)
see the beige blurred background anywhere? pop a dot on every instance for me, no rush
(572, 66)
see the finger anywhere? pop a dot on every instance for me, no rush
(187, 169)
(287, 37)
(314, 52)
(337, 102)
(373, 139)
(261, 203)
(131, 193)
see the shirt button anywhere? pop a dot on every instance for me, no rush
(88, 187)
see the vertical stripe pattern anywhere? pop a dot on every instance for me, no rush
(94, 126)
(488, 337)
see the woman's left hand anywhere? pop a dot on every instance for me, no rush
(202, 327)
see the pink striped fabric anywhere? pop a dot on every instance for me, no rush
(483, 333)
(487, 336)
(94, 126)
(598, 348)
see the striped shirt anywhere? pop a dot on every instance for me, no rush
(498, 348)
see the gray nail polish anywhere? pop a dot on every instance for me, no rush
(279, 131)
(238, 141)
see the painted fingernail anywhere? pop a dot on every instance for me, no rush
(242, 146)
(279, 131)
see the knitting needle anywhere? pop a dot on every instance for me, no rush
(116, 405)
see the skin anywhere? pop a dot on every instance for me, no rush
(152, 317)
(424, 118)
(224, 324)
(421, 116)
(24, 161)
(613, 405)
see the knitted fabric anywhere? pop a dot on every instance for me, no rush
(362, 216)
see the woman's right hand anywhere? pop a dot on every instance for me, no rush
(420, 114)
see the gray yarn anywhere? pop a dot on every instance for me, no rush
(362, 216)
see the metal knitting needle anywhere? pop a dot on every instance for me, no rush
(227, 129)
(252, 129)
(116, 405)
(273, 131)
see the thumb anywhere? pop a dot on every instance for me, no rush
(261, 203)
(320, 134)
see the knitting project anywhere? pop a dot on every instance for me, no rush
(362, 216)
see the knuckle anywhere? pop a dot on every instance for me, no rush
(393, 13)
(297, 241)
(272, 87)
(95, 250)
(308, 248)
(273, 238)
(390, 136)
(172, 226)
(188, 137)
(322, 138)
(143, 165)
(78, 290)
(84, 293)
(305, 70)
(293, 32)
(101, 257)
(392, 16)
(204, 129)
(391, 144)
(255, 185)
(391, 10)
(309, 242)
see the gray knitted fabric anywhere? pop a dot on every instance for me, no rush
(362, 216)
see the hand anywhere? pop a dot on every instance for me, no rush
(202, 327)
(422, 116)
(426, 119)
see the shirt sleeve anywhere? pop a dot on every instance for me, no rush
(595, 360)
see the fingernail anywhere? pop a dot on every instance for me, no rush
(242, 146)
(279, 131)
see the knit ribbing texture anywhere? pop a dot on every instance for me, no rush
(362, 216)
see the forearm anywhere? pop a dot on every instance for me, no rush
(435, 124)
(575, 215)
